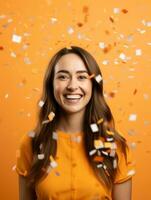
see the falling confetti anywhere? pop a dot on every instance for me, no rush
(16, 38)
(138, 52)
(41, 156)
(98, 78)
(132, 117)
(94, 127)
(41, 103)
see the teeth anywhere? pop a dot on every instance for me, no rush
(73, 96)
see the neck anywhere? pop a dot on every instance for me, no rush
(71, 122)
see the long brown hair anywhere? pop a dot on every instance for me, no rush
(96, 108)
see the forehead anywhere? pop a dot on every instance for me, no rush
(71, 62)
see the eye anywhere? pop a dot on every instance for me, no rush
(62, 77)
(82, 77)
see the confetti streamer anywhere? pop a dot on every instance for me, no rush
(94, 127)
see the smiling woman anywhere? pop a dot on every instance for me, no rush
(75, 151)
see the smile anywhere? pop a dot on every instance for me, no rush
(73, 98)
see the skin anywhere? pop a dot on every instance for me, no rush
(70, 81)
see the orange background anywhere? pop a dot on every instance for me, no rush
(45, 27)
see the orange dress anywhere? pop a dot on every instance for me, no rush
(73, 178)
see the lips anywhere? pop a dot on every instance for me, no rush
(73, 98)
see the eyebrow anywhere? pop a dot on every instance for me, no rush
(79, 71)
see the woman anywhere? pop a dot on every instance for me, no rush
(74, 152)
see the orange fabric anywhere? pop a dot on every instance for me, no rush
(73, 178)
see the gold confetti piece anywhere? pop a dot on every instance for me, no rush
(100, 121)
(68, 47)
(94, 127)
(98, 78)
(110, 132)
(91, 76)
(41, 156)
(51, 116)
(107, 144)
(98, 144)
(52, 162)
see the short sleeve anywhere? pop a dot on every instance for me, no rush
(24, 156)
(126, 166)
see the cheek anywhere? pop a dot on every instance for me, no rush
(58, 88)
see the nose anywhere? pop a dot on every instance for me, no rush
(72, 85)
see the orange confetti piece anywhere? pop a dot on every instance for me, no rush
(98, 158)
(51, 116)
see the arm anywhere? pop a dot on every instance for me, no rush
(25, 193)
(122, 191)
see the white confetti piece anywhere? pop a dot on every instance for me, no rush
(53, 20)
(114, 163)
(31, 134)
(112, 153)
(92, 152)
(13, 54)
(16, 38)
(45, 121)
(102, 45)
(122, 56)
(27, 61)
(14, 168)
(138, 52)
(131, 172)
(104, 166)
(105, 62)
(70, 30)
(53, 164)
(104, 152)
(54, 135)
(41, 103)
(94, 127)
(48, 169)
(109, 139)
(41, 156)
(132, 117)
(116, 10)
(98, 78)
(99, 165)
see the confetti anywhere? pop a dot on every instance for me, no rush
(41, 103)
(138, 52)
(41, 156)
(132, 117)
(122, 56)
(16, 38)
(53, 20)
(46, 121)
(124, 11)
(102, 45)
(14, 168)
(68, 47)
(98, 78)
(98, 158)
(92, 152)
(99, 165)
(13, 54)
(100, 121)
(70, 30)
(98, 144)
(116, 10)
(94, 127)
(110, 132)
(54, 135)
(112, 153)
(131, 172)
(49, 169)
(105, 62)
(51, 116)
(31, 134)
(105, 153)
(114, 163)
(109, 139)
(107, 145)
(52, 162)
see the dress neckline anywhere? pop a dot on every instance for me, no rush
(68, 135)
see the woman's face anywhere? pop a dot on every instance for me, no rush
(72, 87)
